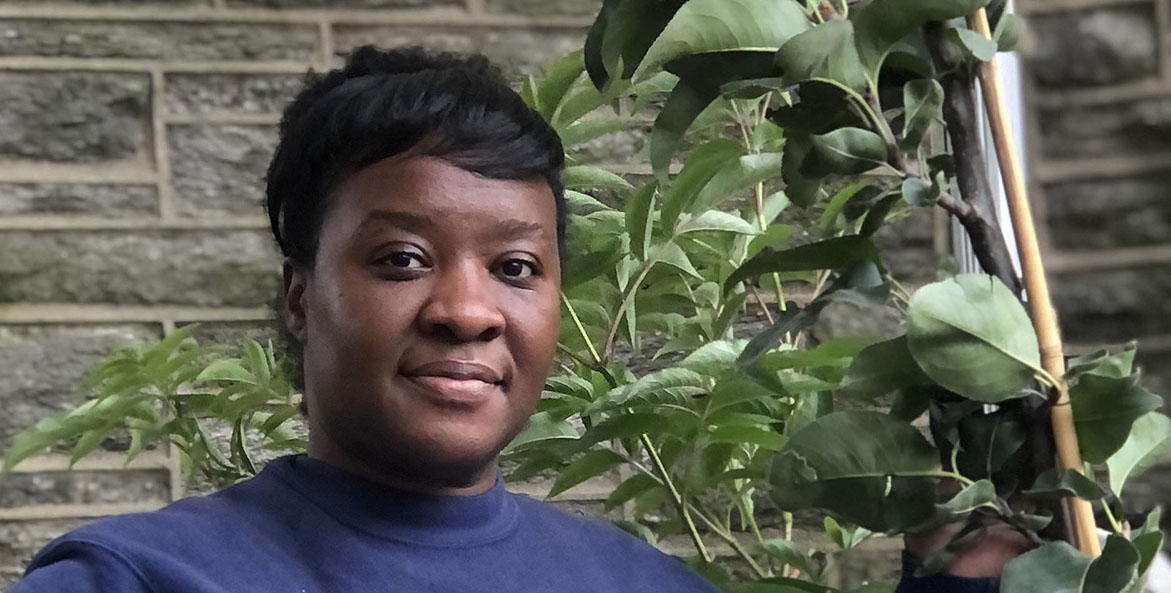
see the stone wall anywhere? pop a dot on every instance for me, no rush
(134, 135)
(1099, 117)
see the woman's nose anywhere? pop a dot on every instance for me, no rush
(462, 305)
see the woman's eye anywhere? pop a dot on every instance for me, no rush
(404, 260)
(517, 269)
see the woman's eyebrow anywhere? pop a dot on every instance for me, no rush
(415, 223)
(509, 229)
(513, 228)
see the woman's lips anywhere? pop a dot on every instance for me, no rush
(456, 383)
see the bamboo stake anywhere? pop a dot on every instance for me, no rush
(1040, 307)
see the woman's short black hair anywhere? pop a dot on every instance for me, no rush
(382, 103)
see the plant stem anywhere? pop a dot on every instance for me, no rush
(1110, 517)
(627, 295)
(977, 210)
(581, 329)
(732, 541)
(680, 505)
(661, 469)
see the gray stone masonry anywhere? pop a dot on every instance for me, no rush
(136, 135)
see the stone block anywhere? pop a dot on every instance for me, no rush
(528, 50)
(219, 170)
(1108, 213)
(1114, 305)
(19, 540)
(197, 268)
(546, 7)
(618, 147)
(234, 332)
(345, 3)
(43, 365)
(119, 3)
(907, 248)
(457, 39)
(230, 93)
(1136, 127)
(74, 116)
(158, 40)
(515, 50)
(86, 487)
(1094, 47)
(103, 200)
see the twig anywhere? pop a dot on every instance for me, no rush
(978, 216)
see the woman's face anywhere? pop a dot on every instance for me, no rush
(429, 321)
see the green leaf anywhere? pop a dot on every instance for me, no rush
(700, 79)
(257, 361)
(737, 176)
(835, 533)
(971, 335)
(825, 52)
(829, 254)
(621, 427)
(883, 368)
(1116, 568)
(558, 80)
(700, 167)
(1149, 441)
(713, 358)
(1070, 483)
(847, 151)
(864, 466)
(672, 255)
(702, 26)
(787, 552)
(740, 435)
(583, 203)
(1148, 546)
(583, 267)
(1056, 567)
(542, 428)
(819, 107)
(1008, 32)
(88, 442)
(631, 488)
(881, 24)
(1104, 408)
(829, 217)
(923, 101)
(919, 193)
(978, 494)
(239, 452)
(227, 369)
(586, 177)
(631, 29)
(976, 44)
(591, 464)
(639, 206)
(1102, 362)
(590, 129)
(715, 220)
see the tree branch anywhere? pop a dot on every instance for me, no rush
(978, 213)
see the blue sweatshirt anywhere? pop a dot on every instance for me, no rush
(302, 526)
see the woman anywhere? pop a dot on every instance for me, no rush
(419, 207)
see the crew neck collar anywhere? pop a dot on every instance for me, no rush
(421, 519)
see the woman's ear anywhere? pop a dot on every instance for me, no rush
(294, 302)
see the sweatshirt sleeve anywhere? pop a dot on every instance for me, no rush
(941, 583)
(78, 566)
